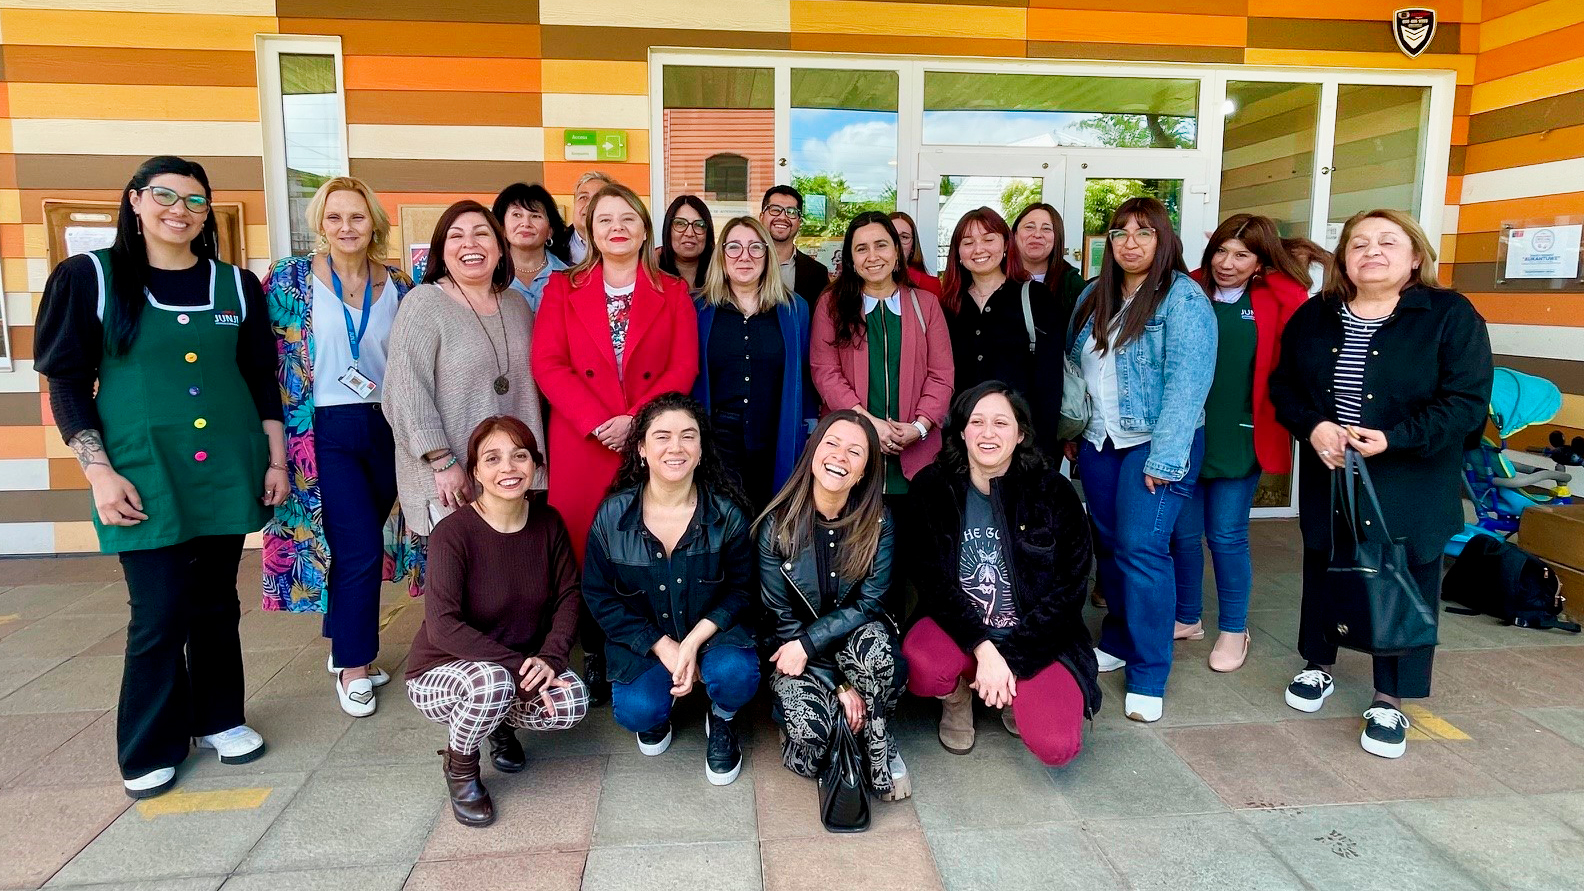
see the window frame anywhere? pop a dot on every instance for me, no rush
(270, 47)
(740, 164)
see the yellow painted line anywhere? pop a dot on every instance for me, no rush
(1435, 728)
(203, 802)
(6, 620)
(393, 612)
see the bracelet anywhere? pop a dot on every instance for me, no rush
(448, 465)
(923, 430)
(277, 466)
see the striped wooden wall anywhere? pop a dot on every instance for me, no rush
(449, 100)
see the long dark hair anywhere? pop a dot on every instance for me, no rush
(1259, 235)
(505, 270)
(955, 277)
(953, 457)
(711, 474)
(846, 292)
(530, 197)
(129, 266)
(668, 254)
(792, 509)
(1056, 261)
(1105, 299)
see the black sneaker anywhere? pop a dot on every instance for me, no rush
(1385, 730)
(599, 688)
(1309, 689)
(723, 757)
(656, 741)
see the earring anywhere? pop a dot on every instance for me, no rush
(140, 225)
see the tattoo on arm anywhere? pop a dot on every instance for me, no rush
(89, 447)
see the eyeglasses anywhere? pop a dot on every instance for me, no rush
(755, 249)
(680, 225)
(168, 197)
(1142, 236)
(777, 210)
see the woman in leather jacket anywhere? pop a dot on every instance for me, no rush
(668, 574)
(825, 566)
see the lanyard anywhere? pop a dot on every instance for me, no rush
(368, 300)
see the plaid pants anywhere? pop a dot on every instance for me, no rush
(474, 698)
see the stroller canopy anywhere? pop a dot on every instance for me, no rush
(1519, 400)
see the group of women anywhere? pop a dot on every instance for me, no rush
(860, 495)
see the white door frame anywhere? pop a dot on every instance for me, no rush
(923, 196)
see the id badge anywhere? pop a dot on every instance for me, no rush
(357, 383)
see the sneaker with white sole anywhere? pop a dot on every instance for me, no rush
(1142, 708)
(1385, 730)
(376, 675)
(1309, 689)
(1107, 662)
(356, 696)
(239, 745)
(155, 782)
(722, 752)
(656, 741)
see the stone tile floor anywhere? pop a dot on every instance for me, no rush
(1231, 790)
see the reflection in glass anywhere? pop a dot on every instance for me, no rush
(1006, 195)
(843, 139)
(1379, 155)
(311, 122)
(971, 108)
(719, 140)
(1267, 162)
(1103, 196)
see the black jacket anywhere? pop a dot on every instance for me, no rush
(993, 344)
(797, 611)
(809, 277)
(1427, 386)
(638, 595)
(1050, 555)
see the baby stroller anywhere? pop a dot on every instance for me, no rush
(1502, 489)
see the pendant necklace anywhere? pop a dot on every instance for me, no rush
(502, 385)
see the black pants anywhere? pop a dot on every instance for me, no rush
(183, 672)
(1406, 677)
(755, 468)
(357, 486)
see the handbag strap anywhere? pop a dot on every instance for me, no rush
(1358, 477)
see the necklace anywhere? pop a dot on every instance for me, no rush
(502, 385)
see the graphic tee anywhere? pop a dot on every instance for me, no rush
(982, 566)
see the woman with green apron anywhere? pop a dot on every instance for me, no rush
(183, 447)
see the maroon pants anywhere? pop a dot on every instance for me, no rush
(1048, 706)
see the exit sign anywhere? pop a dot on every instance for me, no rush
(596, 145)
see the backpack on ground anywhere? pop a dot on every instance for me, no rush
(1497, 578)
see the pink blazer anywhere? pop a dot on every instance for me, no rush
(841, 374)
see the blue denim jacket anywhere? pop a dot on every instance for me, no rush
(1164, 375)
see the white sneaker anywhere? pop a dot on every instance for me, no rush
(1108, 662)
(155, 782)
(357, 697)
(377, 675)
(239, 745)
(1146, 709)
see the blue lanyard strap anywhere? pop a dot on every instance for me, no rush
(368, 299)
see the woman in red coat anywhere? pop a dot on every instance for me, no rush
(612, 333)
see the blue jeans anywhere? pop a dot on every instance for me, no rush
(1219, 513)
(730, 676)
(357, 486)
(1133, 531)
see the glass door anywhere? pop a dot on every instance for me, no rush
(1099, 184)
(950, 184)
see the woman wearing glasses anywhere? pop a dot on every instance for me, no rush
(529, 217)
(753, 361)
(913, 253)
(687, 241)
(1145, 337)
(182, 445)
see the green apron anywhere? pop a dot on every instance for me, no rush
(885, 370)
(179, 421)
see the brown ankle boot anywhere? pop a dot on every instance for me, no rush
(957, 720)
(470, 801)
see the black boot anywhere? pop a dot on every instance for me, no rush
(594, 677)
(470, 801)
(505, 751)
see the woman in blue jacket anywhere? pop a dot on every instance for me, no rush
(753, 361)
(1145, 337)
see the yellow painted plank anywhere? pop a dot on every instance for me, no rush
(585, 76)
(1527, 86)
(236, 7)
(198, 802)
(10, 199)
(1572, 413)
(152, 30)
(1432, 726)
(139, 102)
(721, 15)
(1462, 65)
(35, 240)
(1533, 21)
(77, 538)
(908, 19)
(1357, 10)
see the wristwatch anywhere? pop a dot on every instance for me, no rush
(923, 430)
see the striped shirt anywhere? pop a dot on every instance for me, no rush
(1348, 381)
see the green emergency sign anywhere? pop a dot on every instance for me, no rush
(596, 145)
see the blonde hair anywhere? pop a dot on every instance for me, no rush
(646, 254)
(1337, 283)
(379, 243)
(717, 287)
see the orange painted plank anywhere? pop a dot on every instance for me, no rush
(1489, 216)
(66, 473)
(1357, 10)
(1097, 26)
(1527, 55)
(12, 241)
(1520, 308)
(1460, 130)
(22, 442)
(442, 73)
(1560, 144)
(561, 176)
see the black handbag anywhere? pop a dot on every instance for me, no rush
(844, 803)
(1375, 605)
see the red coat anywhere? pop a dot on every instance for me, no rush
(574, 364)
(1275, 296)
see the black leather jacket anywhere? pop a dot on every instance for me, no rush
(639, 595)
(798, 611)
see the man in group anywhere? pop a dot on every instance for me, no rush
(588, 185)
(782, 213)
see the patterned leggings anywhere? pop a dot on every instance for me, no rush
(871, 661)
(474, 698)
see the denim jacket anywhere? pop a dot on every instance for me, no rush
(1164, 375)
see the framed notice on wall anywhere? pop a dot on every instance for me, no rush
(77, 227)
(1541, 254)
(417, 228)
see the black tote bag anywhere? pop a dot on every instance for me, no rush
(1375, 605)
(844, 803)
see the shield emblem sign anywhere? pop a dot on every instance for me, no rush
(1413, 29)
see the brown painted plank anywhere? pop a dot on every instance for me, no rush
(115, 65)
(1340, 35)
(440, 107)
(392, 175)
(21, 409)
(633, 44)
(1123, 52)
(1190, 7)
(54, 172)
(524, 12)
(363, 37)
(55, 506)
(1568, 376)
(1550, 113)
(33, 199)
(1457, 160)
(1476, 277)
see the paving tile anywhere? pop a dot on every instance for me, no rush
(631, 813)
(60, 636)
(35, 601)
(535, 872)
(1021, 860)
(895, 862)
(11, 623)
(1232, 759)
(1197, 695)
(18, 673)
(1520, 753)
(259, 667)
(110, 599)
(67, 568)
(599, 734)
(190, 883)
(1431, 769)
(1358, 847)
(1519, 678)
(273, 630)
(397, 733)
(550, 806)
(1205, 853)
(146, 843)
(302, 676)
(1567, 805)
(352, 817)
(1506, 843)
(86, 683)
(299, 732)
(1566, 722)
(362, 878)
(982, 789)
(787, 805)
(88, 758)
(729, 866)
(26, 739)
(1127, 771)
(42, 829)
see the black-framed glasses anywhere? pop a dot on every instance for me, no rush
(755, 249)
(1142, 236)
(777, 210)
(168, 197)
(680, 225)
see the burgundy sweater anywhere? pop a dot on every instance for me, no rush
(498, 597)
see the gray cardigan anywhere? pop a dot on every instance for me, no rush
(439, 384)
